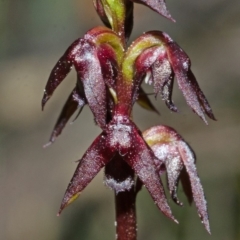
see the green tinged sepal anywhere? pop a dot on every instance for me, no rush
(102, 35)
(117, 15)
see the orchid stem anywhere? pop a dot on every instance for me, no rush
(126, 228)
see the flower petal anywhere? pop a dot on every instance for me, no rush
(75, 100)
(174, 167)
(163, 81)
(91, 163)
(157, 5)
(203, 100)
(167, 154)
(186, 80)
(141, 54)
(161, 74)
(198, 195)
(61, 70)
(88, 68)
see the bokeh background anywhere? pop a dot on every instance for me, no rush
(33, 35)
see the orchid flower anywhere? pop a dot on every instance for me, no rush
(109, 79)
(173, 155)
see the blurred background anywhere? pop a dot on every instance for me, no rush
(33, 35)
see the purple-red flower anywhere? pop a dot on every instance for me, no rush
(109, 80)
(124, 138)
(173, 156)
(159, 63)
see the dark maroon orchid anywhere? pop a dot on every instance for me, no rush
(109, 78)
(98, 64)
(159, 63)
(173, 155)
(120, 137)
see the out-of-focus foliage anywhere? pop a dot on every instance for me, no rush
(33, 36)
